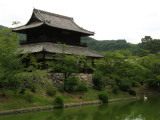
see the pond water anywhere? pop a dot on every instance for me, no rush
(130, 110)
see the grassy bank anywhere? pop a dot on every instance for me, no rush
(11, 101)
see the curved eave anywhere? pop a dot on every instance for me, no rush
(86, 31)
(25, 27)
(30, 24)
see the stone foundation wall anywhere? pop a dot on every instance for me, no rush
(57, 78)
(87, 78)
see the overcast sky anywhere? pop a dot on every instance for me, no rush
(109, 19)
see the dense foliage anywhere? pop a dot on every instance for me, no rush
(150, 45)
(127, 65)
(118, 67)
(98, 80)
(13, 75)
(10, 62)
(128, 71)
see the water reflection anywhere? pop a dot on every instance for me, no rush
(133, 110)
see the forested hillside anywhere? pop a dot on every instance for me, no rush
(110, 45)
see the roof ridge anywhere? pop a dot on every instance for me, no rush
(53, 14)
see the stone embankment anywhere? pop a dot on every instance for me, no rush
(18, 111)
(58, 78)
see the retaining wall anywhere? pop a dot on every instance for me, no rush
(58, 78)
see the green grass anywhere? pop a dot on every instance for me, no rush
(18, 101)
(119, 95)
(77, 97)
(42, 101)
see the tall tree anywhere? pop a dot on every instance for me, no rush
(153, 45)
(10, 61)
(64, 64)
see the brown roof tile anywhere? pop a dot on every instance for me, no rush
(53, 20)
(57, 48)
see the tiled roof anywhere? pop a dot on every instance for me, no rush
(57, 48)
(53, 20)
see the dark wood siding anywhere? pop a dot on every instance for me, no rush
(48, 34)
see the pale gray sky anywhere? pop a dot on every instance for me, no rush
(109, 19)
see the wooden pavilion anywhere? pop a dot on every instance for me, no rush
(46, 30)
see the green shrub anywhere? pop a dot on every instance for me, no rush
(103, 96)
(71, 83)
(125, 87)
(51, 91)
(115, 89)
(82, 87)
(58, 101)
(98, 80)
(61, 88)
(29, 98)
(132, 92)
